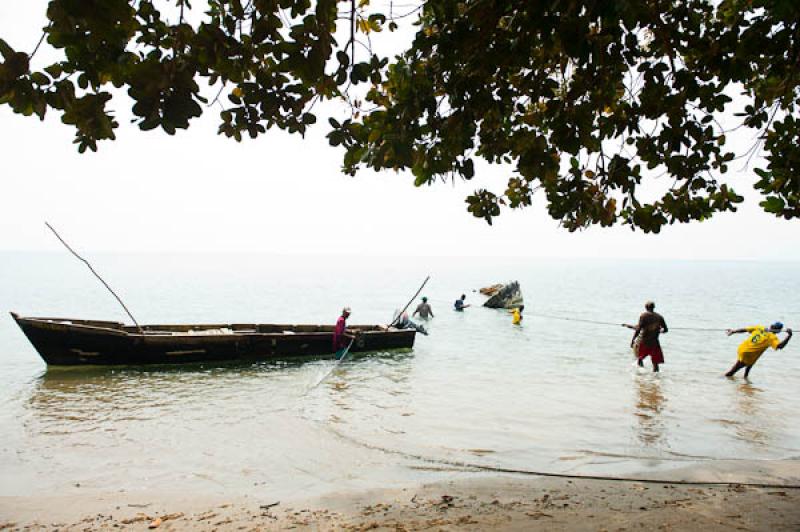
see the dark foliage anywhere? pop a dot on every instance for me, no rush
(585, 100)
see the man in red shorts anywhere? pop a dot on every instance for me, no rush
(651, 325)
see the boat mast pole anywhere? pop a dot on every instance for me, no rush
(96, 275)
(397, 318)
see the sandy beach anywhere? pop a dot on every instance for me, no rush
(464, 502)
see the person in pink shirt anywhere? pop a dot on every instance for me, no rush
(340, 336)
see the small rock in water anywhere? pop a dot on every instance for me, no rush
(155, 523)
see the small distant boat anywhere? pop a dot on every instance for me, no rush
(71, 342)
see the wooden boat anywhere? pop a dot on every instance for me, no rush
(69, 342)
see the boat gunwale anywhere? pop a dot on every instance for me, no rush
(122, 329)
(67, 323)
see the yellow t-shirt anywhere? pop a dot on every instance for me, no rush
(517, 317)
(752, 348)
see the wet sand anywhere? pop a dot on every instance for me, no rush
(465, 501)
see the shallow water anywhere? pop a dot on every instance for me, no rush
(551, 395)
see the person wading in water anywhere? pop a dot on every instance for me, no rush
(459, 305)
(516, 315)
(751, 349)
(424, 309)
(651, 325)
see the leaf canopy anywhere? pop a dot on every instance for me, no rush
(586, 102)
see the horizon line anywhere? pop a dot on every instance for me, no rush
(301, 254)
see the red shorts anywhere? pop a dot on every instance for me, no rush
(652, 351)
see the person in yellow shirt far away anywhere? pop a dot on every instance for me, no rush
(516, 314)
(751, 349)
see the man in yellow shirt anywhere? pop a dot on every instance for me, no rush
(751, 349)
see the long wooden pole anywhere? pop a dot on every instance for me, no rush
(95, 274)
(397, 318)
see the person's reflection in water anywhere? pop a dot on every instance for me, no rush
(751, 428)
(649, 405)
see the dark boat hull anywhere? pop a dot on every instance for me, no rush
(65, 342)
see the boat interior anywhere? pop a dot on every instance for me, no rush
(209, 329)
(242, 328)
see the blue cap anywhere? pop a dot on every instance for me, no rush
(777, 326)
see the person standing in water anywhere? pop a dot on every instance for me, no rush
(516, 315)
(751, 349)
(459, 304)
(651, 325)
(424, 309)
(340, 336)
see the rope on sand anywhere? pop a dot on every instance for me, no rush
(515, 471)
(470, 466)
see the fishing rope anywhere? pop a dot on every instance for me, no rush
(510, 470)
(613, 324)
(333, 368)
(598, 322)
(471, 466)
(500, 469)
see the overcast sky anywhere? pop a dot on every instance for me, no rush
(198, 191)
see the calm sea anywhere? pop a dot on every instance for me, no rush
(551, 395)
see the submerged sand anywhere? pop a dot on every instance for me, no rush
(466, 501)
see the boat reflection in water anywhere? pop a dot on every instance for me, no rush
(81, 399)
(206, 428)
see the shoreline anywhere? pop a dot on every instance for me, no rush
(459, 500)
